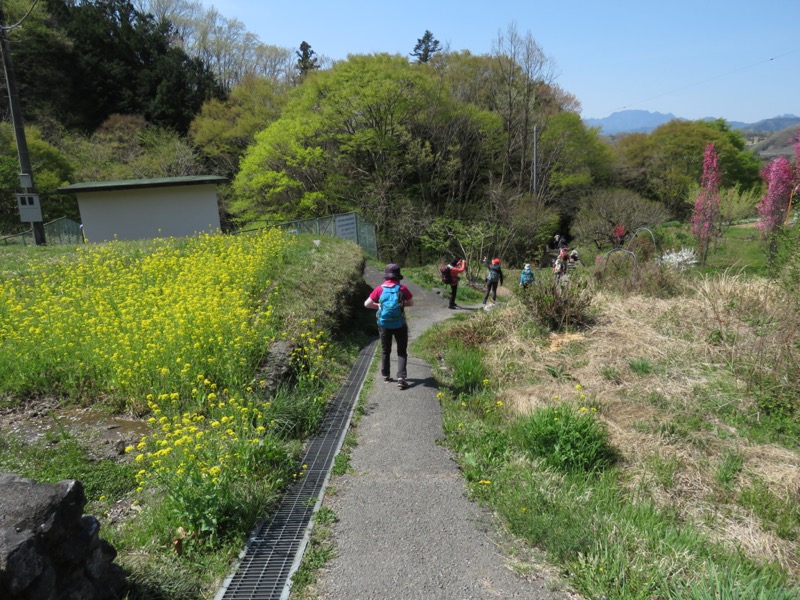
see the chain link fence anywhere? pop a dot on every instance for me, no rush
(63, 231)
(347, 226)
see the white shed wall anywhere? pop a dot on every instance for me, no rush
(175, 211)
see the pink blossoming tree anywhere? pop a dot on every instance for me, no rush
(773, 209)
(706, 215)
(774, 203)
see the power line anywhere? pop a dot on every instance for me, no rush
(27, 14)
(715, 77)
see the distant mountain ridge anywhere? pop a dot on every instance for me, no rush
(642, 121)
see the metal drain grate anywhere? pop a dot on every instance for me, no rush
(274, 551)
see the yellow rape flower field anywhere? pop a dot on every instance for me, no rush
(179, 333)
(125, 321)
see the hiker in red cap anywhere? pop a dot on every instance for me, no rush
(493, 278)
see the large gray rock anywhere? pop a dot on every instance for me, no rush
(48, 549)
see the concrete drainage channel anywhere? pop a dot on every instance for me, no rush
(274, 551)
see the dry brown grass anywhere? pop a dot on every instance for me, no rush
(673, 335)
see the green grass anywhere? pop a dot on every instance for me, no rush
(16, 261)
(610, 539)
(62, 456)
(319, 551)
(739, 249)
(641, 366)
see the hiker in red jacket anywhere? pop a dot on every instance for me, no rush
(456, 268)
(390, 300)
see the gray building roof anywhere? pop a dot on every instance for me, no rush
(132, 184)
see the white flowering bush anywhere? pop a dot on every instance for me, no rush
(679, 259)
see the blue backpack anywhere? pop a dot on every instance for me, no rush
(526, 276)
(390, 314)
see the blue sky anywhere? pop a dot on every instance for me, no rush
(694, 59)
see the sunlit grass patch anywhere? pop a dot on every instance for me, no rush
(567, 437)
(696, 438)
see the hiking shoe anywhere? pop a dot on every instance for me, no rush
(388, 379)
(402, 383)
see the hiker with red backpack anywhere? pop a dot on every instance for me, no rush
(450, 273)
(560, 264)
(390, 300)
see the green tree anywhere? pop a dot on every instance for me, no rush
(306, 60)
(372, 134)
(666, 164)
(574, 160)
(426, 47)
(51, 171)
(39, 54)
(112, 59)
(127, 147)
(225, 128)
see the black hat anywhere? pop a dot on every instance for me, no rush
(392, 272)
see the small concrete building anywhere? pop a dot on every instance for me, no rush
(135, 209)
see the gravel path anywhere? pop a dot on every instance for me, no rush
(405, 528)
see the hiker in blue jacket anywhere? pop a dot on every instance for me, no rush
(390, 300)
(493, 278)
(526, 276)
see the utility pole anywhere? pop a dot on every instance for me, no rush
(30, 210)
(535, 174)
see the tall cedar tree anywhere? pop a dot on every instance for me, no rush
(426, 47)
(110, 59)
(306, 60)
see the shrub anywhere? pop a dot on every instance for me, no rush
(658, 281)
(643, 246)
(617, 269)
(566, 437)
(622, 272)
(559, 304)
